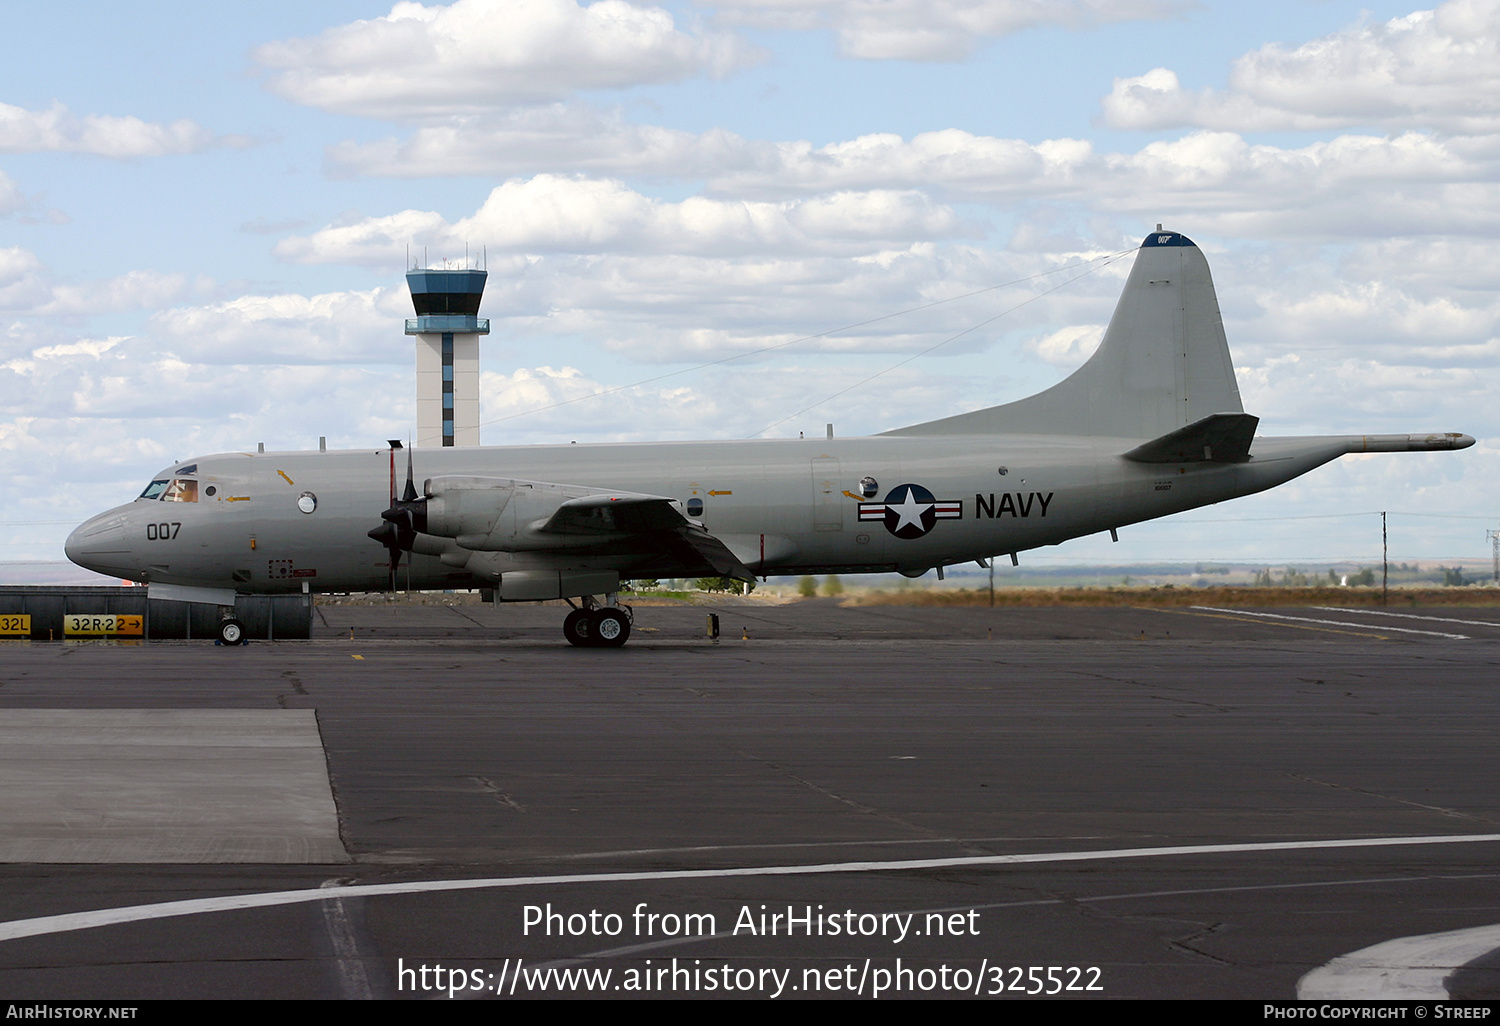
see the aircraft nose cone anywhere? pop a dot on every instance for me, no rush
(102, 544)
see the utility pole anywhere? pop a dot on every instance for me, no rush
(1494, 537)
(1385, 564)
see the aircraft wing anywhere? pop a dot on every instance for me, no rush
(614, 513)
(610, 515)
(649, 533)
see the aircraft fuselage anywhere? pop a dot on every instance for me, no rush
(843, 505)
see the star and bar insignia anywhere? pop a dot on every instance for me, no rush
(910, 511)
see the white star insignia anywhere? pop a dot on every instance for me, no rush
(909, 511)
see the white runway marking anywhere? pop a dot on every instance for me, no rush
(1409, 616)
(1405, 969)
(1333, 623)
(196, 906)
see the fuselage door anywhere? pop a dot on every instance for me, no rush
(828, 499)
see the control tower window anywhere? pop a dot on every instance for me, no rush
(449, 303)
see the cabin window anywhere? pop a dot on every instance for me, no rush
(695, 507)
(182, 489)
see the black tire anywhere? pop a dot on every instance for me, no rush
(578, 628)
(231, 631)
(611, 628)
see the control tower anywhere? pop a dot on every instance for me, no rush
(447, 327)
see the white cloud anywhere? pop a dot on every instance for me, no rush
(548, 403)
(11, 199)
(59, 130)
(23, 280)
(932, 30)
(1455, 264)
(553, 405)
(1335, 393)
(1373, 315)
(1206, 182)
(1358, 186)
(551, 213)
(84, 347)
(477, 55)
(1430, 69)
(1068, 347)
(289, 329)
(134, 290)
(548, 137)
(29, 288)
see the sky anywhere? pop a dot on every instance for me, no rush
(206, 212)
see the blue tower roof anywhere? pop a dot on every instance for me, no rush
(446, 301)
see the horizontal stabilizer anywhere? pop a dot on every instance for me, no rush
(1217, 438)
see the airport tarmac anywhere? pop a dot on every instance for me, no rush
(1195, 803)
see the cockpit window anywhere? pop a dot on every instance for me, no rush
(182, 489)
(191, 468)
(154, 489)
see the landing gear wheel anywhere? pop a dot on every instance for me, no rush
(611, 628)
(578, 628)
(231, 631)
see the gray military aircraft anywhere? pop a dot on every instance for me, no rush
(1150, 425)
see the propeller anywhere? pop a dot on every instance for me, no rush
(406, 518)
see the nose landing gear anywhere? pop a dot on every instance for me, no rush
(596, 626)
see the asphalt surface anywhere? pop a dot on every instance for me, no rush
(856, 766)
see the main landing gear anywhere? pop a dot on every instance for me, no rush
(231, 631)
(596, 626)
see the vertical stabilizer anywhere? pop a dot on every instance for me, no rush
(1163, 364)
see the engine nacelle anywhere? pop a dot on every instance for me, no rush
(486, 514)
(465, 506)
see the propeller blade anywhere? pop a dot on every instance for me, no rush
(411, 488)
(406, 518)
